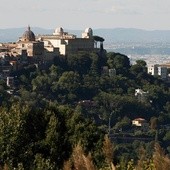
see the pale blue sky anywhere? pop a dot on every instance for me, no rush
(79, 14)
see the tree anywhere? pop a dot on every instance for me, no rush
(80, 62)
(120, 62)
(160, 159)
(20, 130)
(141, 63)
(69, 81)
(124, 124)
(80, 160)
(108, 150)
(67, 87)
(96, 65)
(167, 137)
(139, 70)
(153, 123)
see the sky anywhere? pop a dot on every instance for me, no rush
(80, 14)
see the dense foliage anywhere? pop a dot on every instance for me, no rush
(76, 101)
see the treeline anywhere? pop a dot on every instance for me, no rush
(71, 103)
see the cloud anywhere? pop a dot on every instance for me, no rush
(121, 10)
(116, 8)
(38, 8)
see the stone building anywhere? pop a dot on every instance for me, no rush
(29, 49)
(34, 49)
(43, 48)
(69, 43)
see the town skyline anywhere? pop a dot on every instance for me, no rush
(78, 14)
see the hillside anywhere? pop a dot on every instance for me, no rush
(54, 110)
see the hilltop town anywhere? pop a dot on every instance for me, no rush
(67, 103)
(41, 50)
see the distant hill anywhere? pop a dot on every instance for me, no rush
(110, 35)
(134, 35)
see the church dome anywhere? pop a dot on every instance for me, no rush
(58, 31)
(28, 35)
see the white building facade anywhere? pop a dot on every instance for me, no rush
(69, 43)
(158, 70)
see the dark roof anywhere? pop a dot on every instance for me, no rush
(28, 35)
